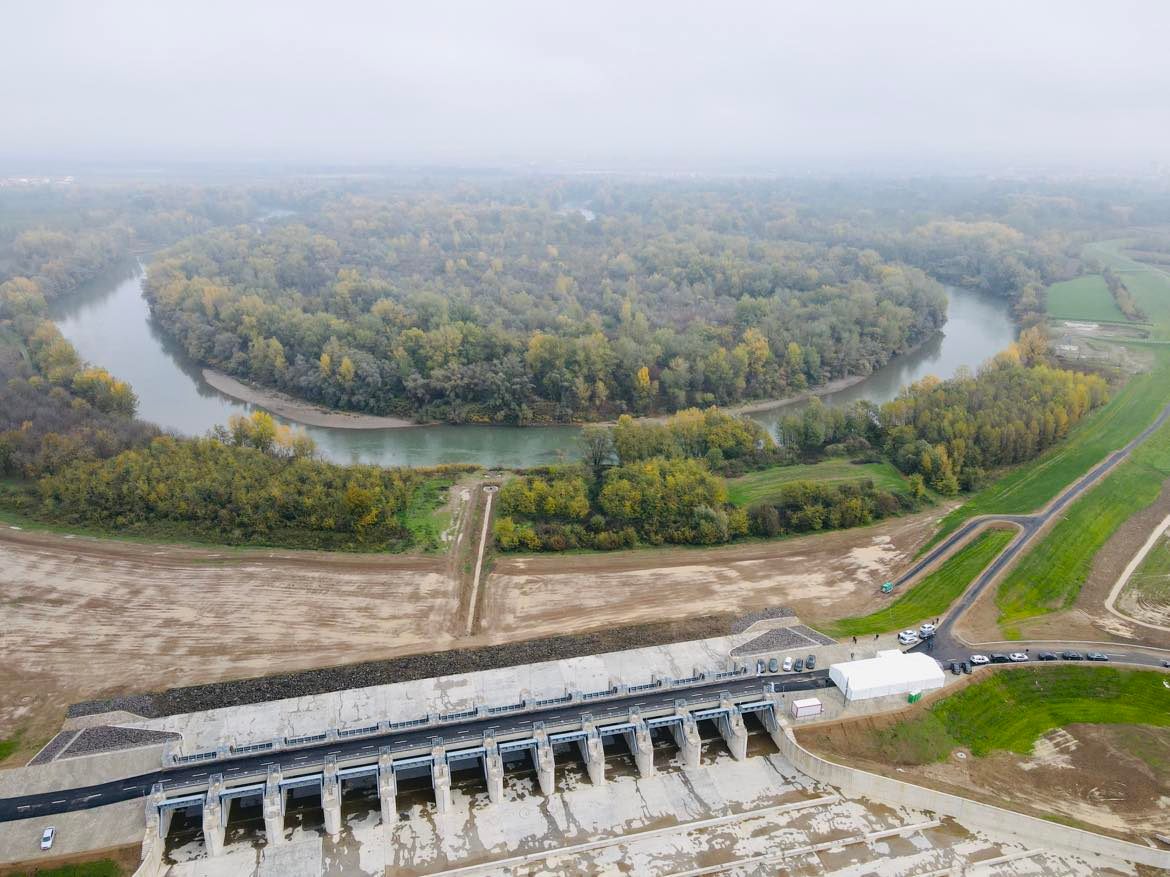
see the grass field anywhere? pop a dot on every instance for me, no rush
(1149, 284)
(1152, 577)
(1009, 710)
(1085, 298)
(766, 484)
(1030, 487)
(934, 593)
(1051, 574)
(101, 868)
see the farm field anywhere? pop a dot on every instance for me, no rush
(1050, 575)
(1088, 746)
(1083, 298)
(1149, 283)
(767, 483)
(931, 596)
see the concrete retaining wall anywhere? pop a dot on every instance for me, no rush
(995, 820)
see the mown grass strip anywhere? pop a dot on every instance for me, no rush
(934, 593)
(1009, 710)
(767, 483)
(1051, 574)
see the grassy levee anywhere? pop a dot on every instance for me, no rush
(1031, 486)
(1009, 710)
(1084, 298)
(1051, 574)
(934, 593)
(767, 483)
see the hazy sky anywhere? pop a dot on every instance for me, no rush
(589, 83)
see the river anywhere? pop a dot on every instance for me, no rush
(109, 323)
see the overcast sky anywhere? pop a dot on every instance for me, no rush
(783, 85)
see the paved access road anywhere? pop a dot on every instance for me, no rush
(454, 736)
(946, 645)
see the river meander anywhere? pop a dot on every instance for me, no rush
(110, 325)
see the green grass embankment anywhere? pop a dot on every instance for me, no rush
(1010, 709)
(1084, 298)
(1149, 284)
(1031, 486)
(932, 595)
(1050, 576)
(767, 483)
(100, 868)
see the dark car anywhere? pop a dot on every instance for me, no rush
(956, 668)
(1072, 656)
(1047, 656)
(774, 666)
(967, 667)
(810, 662)
(1166, 663)
(997, 658)
(797, 665)
(1096, 656)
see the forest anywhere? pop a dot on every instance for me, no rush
(645, 482)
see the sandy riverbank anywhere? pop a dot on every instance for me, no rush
(296, 410)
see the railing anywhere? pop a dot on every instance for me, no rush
(657, 683)
(453, 717)
(593, 695)
(210, 755)
(305, 740)
(553, 701)
(252, 747)
(508, 708)
(346, 733)
(409, 723)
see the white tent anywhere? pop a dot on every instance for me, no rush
(891, 672)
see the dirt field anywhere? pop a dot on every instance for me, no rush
(821, 577)
(1113, 777)
(86, 618)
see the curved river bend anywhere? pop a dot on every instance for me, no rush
(109, 323)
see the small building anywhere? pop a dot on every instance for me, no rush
(806, 708)
(891, 672)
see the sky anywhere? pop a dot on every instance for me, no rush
(590, 85)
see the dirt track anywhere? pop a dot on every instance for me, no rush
(87, 618)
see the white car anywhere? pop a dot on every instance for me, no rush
(908, 637)
(1018, 656)
(926, 630)
(980, 659)
(47, 837)
(788, 664)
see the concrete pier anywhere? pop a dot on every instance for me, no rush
(545, 764)
(493, 770)
(441, 779)
(273, 808)
(214, 817)
(331, 799)
(387, 786)
(733, 731)
(686, 735)
(594, 754)
(642, 746)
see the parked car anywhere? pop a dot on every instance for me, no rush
(810, 662)
(761, 666)
(1166, 663)
(788, 664)
(1018, 656)
(798, 665)
(1046, 656)
(999, 658)
(908, 637)
(1072, 656)
(1097, 656)
(926, 630)
(773, 665)
(980, 659)
(47, 837)
(956, 668)
(967, 667)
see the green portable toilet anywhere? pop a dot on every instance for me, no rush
(914, 697)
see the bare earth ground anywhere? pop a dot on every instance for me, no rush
(87, 618)
(1113, 777)
(821, 577)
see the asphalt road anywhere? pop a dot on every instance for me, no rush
(454, 736)
(946, 646)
